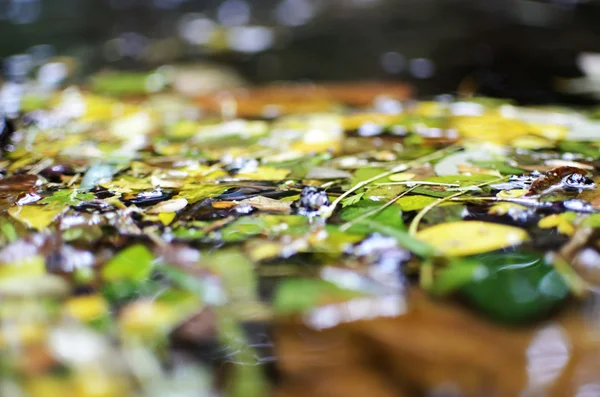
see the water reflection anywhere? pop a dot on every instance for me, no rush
(357, 309)
(547, 355)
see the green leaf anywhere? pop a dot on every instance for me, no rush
(194, 193)
(8, 231)
(363, 174)
(68, 197)
(588, 149)
(300, 295)
(384, 192)
(134, 263)
(417, 202)
(457, 274)
(518, 286)
(501, 166)
(236, 272)
(390, 216)
(351, 200)
(243, 228)
(592, 220)
(185, 233)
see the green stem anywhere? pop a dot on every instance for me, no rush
(414, 225)
(328, 211)
(368, 214)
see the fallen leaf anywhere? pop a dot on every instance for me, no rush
(36, 216)
(168, 206)
(471, 237)
(262, 203)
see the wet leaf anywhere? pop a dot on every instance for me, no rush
(351, 200)
(36, 216)
(264, 174)
(417, 202)
(132, 264)
(68, 197)
(516, 287)
(390, 216)
(471, 237)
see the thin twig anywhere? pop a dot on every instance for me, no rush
(366, 215)
(414, 225)
(328, 211)
(426, 183)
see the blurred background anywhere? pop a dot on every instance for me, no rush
(522, 49)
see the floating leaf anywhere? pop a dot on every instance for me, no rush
(456, 274)
(36, 216)
(68, 197)
(194, 193)
(264, 174)
(390, 216)
(134, 263)
(243, 228)
(417, 202)
(516, 286)
(363, 174)
(471, 237)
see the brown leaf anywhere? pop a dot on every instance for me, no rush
(262, 203)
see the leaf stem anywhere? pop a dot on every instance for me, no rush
(328, 211)
(414, 225)
(368, 214)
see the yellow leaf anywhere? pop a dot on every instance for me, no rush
(35, 216)
(265, 174)
(166, 217)
(489, 128)
(550, 131)
(470, 238)
(511, 209)
(402, 176)
(86, 307)
(531, 142)
(355, 121)
(514, 193)
(562, 222)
